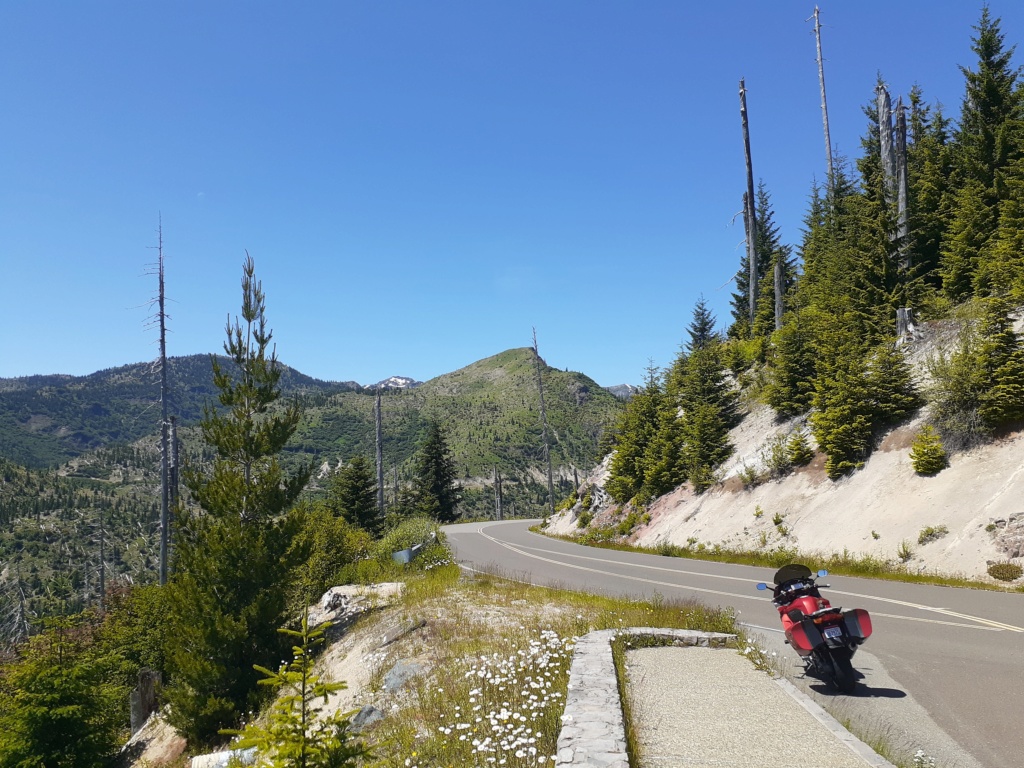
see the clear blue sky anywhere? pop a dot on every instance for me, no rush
(419, 183)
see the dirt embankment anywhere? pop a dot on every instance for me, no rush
(877, 510)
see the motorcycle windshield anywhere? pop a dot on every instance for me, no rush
(792, 572)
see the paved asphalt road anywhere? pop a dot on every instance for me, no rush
(951, 658)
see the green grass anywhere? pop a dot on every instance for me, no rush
(839, 563)
(499, 650)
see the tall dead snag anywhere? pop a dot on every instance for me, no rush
(893, 146)
(544, 424)
(175, 468)
(887, 145)
(750, 217)
(824, 103)
(378, 422)
(498, 515)
(902, 185)
(165, 473)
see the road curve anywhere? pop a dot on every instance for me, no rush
(951, 656)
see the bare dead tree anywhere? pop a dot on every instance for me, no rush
(885, 138)
(824, 103)
(165, 493)
(751, 213)
(175, 468)
(893, 145)
(497, 494)
(379, 435)
(544, 424)
(902, 185)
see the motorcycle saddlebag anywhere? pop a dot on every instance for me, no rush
(858, 623)
(805, 636)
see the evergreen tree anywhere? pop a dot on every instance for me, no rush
(927, 454)
(233, 554)
(991, 103)
(352, 494)
(700, 407)
(437, 493)
(1001, 362)
(637, 427)
(295, 736)
(792, 370)
(969, 229)
(56, 710)
(769, 249)
(702, 327)
(929, 167)
(890, 384)
(842, 417)
(798, 449)
(987, 147)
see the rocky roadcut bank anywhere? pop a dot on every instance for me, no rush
(874, 511)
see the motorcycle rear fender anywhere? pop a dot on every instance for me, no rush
(858, 623)
(804, 636)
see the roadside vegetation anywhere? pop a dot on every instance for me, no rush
(837, 563)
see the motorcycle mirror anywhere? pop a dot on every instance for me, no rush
(762, 585)
(822, 573)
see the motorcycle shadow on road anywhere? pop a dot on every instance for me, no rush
(862, 691)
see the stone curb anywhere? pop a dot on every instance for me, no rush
(858, 747)
(593, 732)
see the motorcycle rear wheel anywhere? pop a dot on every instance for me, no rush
(842, 673)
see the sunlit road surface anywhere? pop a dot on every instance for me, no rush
(958, 653)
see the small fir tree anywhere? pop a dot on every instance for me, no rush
(352, 494)
(294, 735)
(436, 489)
(799, 448)
(927, 455)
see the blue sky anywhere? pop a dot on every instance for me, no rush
(420, 183)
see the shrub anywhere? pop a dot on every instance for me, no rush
(800, 452)
(904, 551)
(1005, 571)
(567, 503)
(928, 534)
(776, 456)
(628, 523)
(758, 512)
(751, 477)
(927, 455)
(588, 501)
(584, 519)
(408, 533)
(777, 519)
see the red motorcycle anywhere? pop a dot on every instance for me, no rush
(825, 637)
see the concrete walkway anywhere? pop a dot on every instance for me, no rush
(711, 708)
(695, 703)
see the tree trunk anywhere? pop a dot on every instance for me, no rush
(165, 498)
(379, 434)
(752, 266)
(544, 425)
(902, 226)
(887, 145)
(824, 104)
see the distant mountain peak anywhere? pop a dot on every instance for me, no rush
(396, 382)
(623, 391)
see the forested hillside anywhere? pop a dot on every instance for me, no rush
(927, 224)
